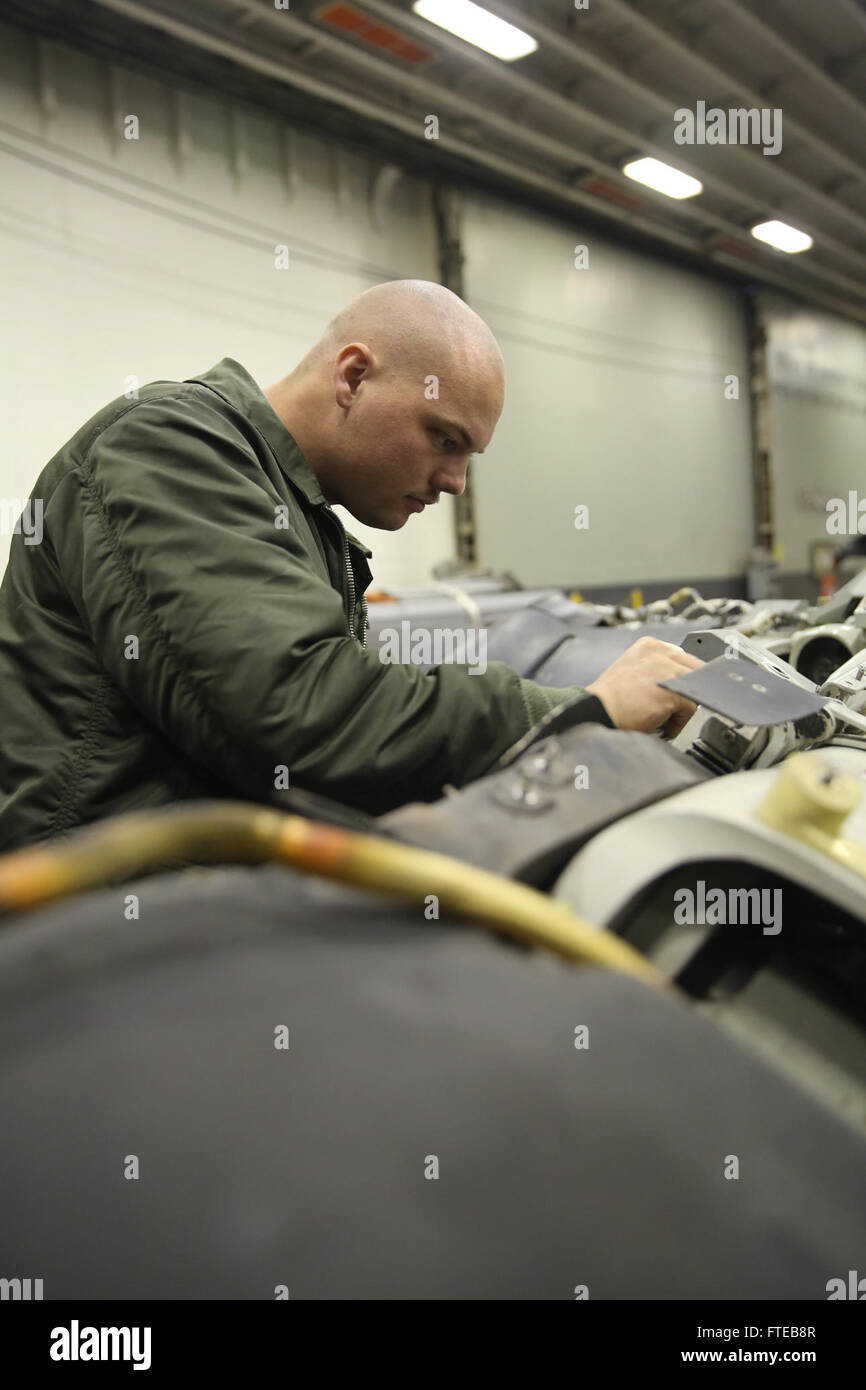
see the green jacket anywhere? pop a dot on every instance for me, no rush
(192, 624)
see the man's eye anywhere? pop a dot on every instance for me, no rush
(444, 438)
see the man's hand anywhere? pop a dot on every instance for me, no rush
(631, 696)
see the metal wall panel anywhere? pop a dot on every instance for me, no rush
(152, 258)
(817, 367)
(616, 401)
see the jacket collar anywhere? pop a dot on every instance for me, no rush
(234, 383)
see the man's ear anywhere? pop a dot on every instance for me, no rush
(351, 366)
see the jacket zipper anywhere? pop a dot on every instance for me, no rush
(353, 601)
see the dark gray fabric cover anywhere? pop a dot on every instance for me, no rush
(557, 1167)
(532, 836)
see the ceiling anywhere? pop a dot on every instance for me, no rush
(555, 127)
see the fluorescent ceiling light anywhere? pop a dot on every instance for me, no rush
(783, 237)
(663, 178)
(478, 26)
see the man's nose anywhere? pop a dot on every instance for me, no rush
(451, 476)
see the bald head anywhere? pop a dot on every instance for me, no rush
(404, 385)
(411, 324)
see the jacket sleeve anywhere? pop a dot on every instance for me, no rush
(213, 623)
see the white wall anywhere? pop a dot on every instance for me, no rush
(817, 367)
(615, 400)
(140, 257)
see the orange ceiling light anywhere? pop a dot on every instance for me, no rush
(370, 31)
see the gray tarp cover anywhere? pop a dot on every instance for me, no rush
(408, 1039)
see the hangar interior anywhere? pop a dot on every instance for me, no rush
(679, 457)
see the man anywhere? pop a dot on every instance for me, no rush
(193, 624)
